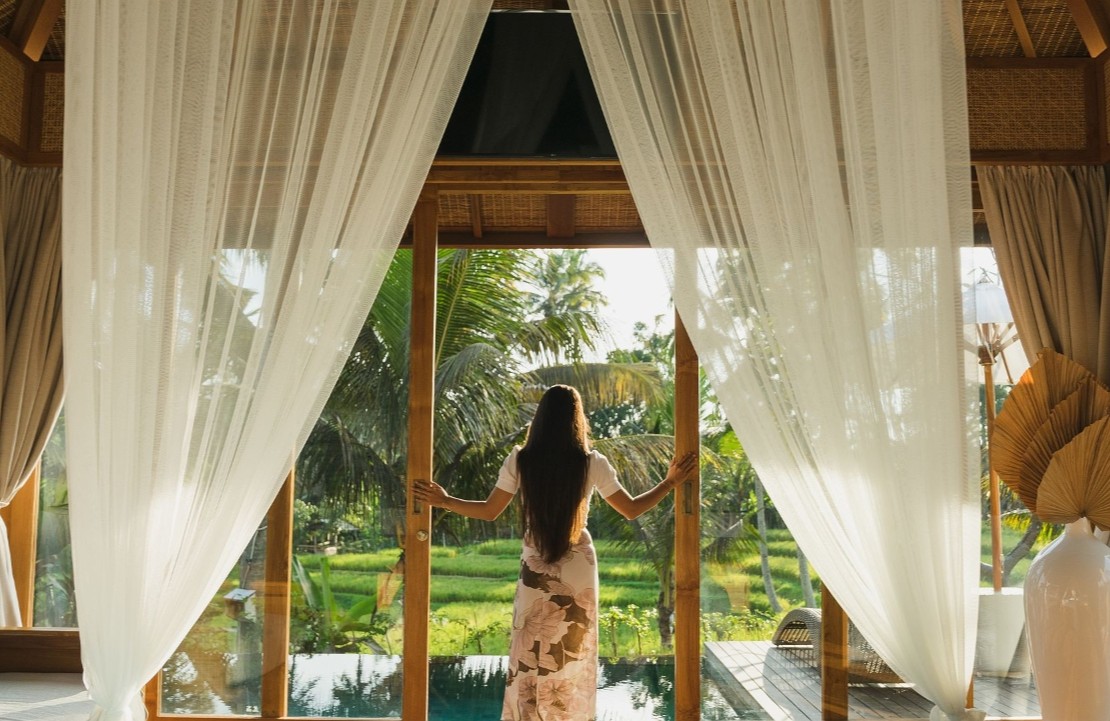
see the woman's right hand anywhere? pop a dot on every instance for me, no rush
(681, 467)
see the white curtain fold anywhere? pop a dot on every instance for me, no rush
(802, 168)
(238, 175)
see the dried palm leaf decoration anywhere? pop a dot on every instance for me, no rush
(1048, 437)
(1077, 481)
(1047, 382)
(1086, 404)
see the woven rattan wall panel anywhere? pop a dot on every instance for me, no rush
(514, 212)
(56, 44)
(1052, 28)
(7, 15)
(12, 86)
(611, 212)
(53, 112)
(1029, 109)
(988, 30)
(454, 210)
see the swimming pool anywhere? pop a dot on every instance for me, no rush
(470, 688)
(464, 688)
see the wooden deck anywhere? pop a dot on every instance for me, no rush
(787, 687)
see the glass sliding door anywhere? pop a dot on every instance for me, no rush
(348, 581)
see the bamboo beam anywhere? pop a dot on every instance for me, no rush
(275, 619)
(1091, 18)
(34, 19)
(21, 517)
(414, 696)
(834, 658)
(1021, 29)
(687, 637)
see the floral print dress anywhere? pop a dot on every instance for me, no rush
(553, 647)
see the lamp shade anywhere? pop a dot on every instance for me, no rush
(985, 302)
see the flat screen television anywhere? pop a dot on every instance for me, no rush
(528, 93)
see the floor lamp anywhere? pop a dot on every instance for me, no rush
(995, 329)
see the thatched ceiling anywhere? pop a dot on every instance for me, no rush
(1035, 95)
(990, 26)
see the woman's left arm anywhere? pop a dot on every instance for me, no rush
(433, 494)
(631, 508)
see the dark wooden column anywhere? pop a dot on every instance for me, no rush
(834, 658)
(414, 698)
(275, 621)
(687, 535)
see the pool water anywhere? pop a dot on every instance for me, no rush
(470, 688)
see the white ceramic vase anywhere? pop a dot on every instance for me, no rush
(1067, 610)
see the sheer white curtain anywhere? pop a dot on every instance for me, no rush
(803, 168)
(238, 174)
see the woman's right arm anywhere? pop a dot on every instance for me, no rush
(433, 494)
(630, 507)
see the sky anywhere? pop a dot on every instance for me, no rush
(637, 291)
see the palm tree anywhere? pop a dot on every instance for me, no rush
(486, 337)
(564, 287)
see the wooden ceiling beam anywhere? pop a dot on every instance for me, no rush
(475, 202)
(1021, 29)
(560, 216)
(1092, 17)
(534, 240)
(34, 19)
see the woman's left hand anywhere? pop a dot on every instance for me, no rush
(681, 467)
(430, 492)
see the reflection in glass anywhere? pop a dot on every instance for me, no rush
(348, 516)
(55, 602)
(217, 669)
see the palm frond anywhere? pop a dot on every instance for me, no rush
(600, 384)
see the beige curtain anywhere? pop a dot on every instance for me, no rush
(31, 328)
(1048, 228)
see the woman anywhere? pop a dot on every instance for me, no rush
(553, 647)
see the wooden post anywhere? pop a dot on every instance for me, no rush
(687, 636)
(995, 492)
(21, 517)
(276, 604)
(152, 696)
(414, 696)
(834, 658)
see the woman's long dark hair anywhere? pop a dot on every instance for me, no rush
(552, 465)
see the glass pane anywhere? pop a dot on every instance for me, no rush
(55, 602)
(752, 573)
(1003, 676)
(346, 634)
(217, 669)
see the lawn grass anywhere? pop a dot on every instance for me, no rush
(472, 592)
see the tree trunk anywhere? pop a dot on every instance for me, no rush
(1022, 549)
(664, 609)
(803, 578)
(764, 560)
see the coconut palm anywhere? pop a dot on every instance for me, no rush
(563, 283)
(486, 339)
